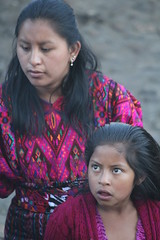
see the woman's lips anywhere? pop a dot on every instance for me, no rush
(35, 74)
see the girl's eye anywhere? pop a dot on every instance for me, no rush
(95, 168)
(117, 170)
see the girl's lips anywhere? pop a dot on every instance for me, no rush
(104, 195)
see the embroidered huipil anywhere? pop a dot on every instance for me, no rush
(44, 170)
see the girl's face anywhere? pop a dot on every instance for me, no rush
(44, 55)
(111, 179)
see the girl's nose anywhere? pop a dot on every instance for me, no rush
(105, 178)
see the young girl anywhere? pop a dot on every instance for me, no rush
(124, 197)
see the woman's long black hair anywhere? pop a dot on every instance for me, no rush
(21, 97)
(141, 151)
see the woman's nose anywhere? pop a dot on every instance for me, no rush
(35, 57)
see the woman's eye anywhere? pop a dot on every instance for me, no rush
(45, 49)
(117, 170)
(25, 48)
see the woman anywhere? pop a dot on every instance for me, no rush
(50, 101)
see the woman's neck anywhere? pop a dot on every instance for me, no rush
(50, 96)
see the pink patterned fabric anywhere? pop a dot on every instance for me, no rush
(100, 227)
(140, 235)
(45, 170)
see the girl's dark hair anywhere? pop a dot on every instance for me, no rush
(21, 97)
(141, 151)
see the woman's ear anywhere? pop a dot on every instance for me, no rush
(74, 51)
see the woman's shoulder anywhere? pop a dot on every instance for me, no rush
(98, 77)
(104, 86)
(2, 105)
(4, 113)
(101, 82)
(1, 98)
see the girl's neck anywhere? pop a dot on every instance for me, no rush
(120, 223)
(117, 210)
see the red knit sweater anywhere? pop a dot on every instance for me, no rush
(76, 219)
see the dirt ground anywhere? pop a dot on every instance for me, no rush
(125, 35)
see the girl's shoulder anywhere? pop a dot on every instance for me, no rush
(149, 213)
(149, 205)
(74, 204)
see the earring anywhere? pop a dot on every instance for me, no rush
(72, 60)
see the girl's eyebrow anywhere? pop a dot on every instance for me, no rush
(94, 161)
(115, 165)
(118, 165)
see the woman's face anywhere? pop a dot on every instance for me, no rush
(44, 55)
(111, 179)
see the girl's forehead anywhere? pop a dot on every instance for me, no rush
(107, 152)
(119, 147)
(109, 156)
